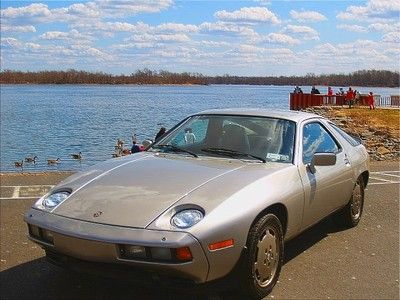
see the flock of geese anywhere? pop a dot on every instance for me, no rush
(51, 161)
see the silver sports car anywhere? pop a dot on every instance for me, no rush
(222, 190)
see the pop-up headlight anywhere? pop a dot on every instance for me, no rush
(51, 201)
(187, 218)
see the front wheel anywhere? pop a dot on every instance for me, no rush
(265, 256)
(350, 215)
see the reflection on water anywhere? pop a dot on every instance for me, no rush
(55, 121)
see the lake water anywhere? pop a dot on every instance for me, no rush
(54, 121)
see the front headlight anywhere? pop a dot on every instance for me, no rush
(52, 200)
(187, 218)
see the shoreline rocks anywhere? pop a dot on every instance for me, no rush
(380, 143)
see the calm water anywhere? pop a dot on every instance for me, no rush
(54, 121)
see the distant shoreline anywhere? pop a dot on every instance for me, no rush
(377, 78)
(192, 84)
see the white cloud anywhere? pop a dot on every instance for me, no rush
(13, 43)
(307, 16)
(84, 12)
(32, 10)
(347, 57)
(15, 28)
(176, 27)
(248, 15)
(33, 46)
(250, 49)
(112, 27)
(393, 52)
(181, 54)
(135, 45)
(392, 37)
(72, 36)
(304, 32)
(227, 28)
(128, 27)
(163, 38)
(89, 9)
(98, 54)
(374, 9)
(281, 38)
(10, 42)
(263, 2)
(214, 43)
(126, 8)
(352, 28)
(385, 27)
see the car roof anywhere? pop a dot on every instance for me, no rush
(296, 116)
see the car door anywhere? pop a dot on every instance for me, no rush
(329, 187)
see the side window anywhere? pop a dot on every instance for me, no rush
(317, 139)
(352, 141)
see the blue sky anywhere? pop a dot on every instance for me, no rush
(251, 38)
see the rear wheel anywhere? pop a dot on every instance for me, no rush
(350, 215)
(265, 256)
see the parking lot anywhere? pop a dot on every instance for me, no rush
(325, 262)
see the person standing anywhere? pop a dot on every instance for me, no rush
(297, 90)
(330, 91)
(357, 97)
(349, 97)
(160, 133)
(371, 101)
(314, 90)
(135, 147)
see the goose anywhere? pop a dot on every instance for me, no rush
(31, 159)
(19, 164)
(77, 156)
(126, 152)
(53, 161)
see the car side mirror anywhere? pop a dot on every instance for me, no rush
(322, 159)
(147, 143)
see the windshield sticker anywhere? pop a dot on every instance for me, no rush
(276, 156)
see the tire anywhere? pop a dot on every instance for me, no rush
(350, 215)
(264, 258)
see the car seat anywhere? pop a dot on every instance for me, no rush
(235, 138)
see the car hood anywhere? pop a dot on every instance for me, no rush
(134, 191)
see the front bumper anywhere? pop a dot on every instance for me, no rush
(99, 243)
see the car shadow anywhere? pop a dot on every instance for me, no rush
(38, 279)
(310, 237)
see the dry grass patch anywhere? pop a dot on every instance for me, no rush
(382, 119)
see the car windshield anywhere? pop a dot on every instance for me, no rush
(242, 137)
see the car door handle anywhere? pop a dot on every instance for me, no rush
(346, 160)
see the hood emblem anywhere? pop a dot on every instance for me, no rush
(97, 214)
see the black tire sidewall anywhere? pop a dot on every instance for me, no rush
(354, 221)
(251, 285)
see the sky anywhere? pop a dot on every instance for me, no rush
(247, 38)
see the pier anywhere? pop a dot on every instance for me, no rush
(302, 100)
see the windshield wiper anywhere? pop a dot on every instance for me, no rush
(231, 153)
(176, 149)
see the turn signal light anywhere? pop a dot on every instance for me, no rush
(183, 254)
(221, 245)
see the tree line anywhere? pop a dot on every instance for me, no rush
(379, 78)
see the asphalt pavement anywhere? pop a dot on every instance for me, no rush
(325, 262)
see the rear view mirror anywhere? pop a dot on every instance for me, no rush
(322, 159)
